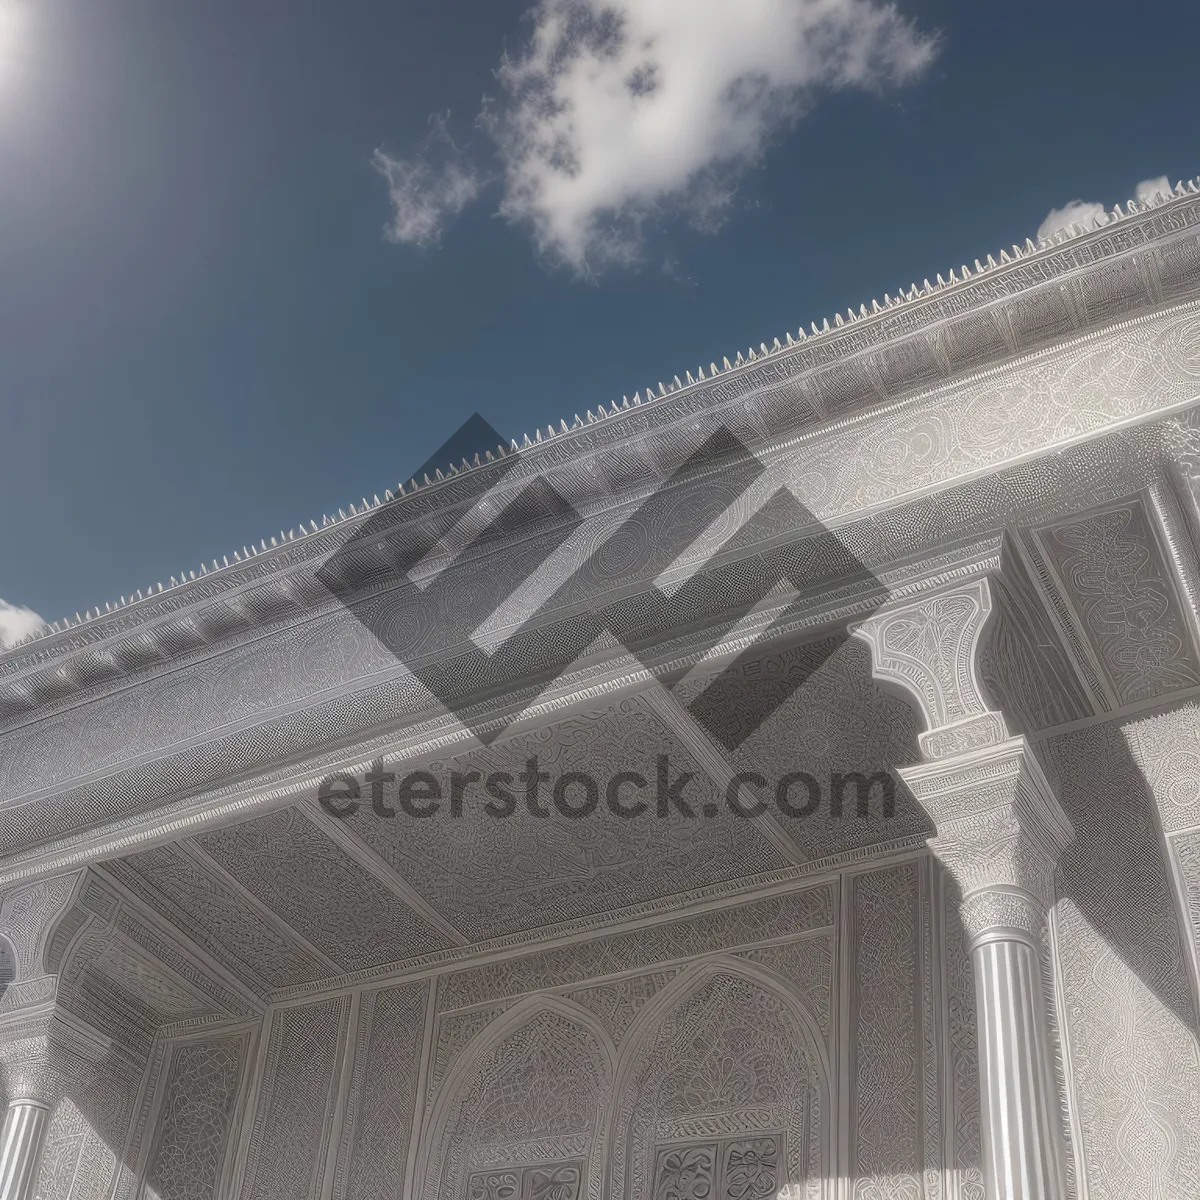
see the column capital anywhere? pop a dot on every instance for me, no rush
(28, 915)
(929, 646)
(1000, 831)
(45, 1054)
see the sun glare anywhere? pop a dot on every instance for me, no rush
(12, 35)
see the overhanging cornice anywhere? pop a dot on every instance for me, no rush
(930, 336)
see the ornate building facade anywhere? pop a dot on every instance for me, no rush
(217, 981)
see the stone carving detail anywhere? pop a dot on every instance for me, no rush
(736, 1169)
(1128, 1011)
(807, 966)
(290, 1134)
(317, 888)
(741, 924)
(997, 911)
(195, 1121)
(383, 1094)
(216, 918)
(454, 1032)
(930, 648)
(616, 1004)
(999, 824)
(1186, 848)
(1022, 661)
(731, 1058)
(551, 1182)
(538, 1093)
(562, 869)
(1126, 600)
(887, 1084)
(1167, 753)
(27, 919)
(80, 1159)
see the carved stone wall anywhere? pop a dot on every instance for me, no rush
(759, 1049)
(192, 1143)
(293, 1120)
(1126, 927)
(375, 1149)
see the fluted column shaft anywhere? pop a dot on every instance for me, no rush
(20, 1143)
(1016, 1091)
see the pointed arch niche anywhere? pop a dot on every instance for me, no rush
(723, 1089)
(525, 1108)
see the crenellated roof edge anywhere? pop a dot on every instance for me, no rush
(653, 394)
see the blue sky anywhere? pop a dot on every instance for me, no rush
(245, 279)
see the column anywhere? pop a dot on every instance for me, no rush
(999, 831)
(44, 1049)
(20, 1142)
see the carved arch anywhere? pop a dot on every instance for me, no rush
(799, 1047)
(446, 1159)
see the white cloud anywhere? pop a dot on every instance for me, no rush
(1084, 212)
(427, 190)
(618, 112)
(16, 624)
(1077, 212)
(1149, 188)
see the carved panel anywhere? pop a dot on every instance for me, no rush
(194, 1123)
(1128, 1012)
(537, 1094)
(887, 1080)
(215, 917)
(383, 1093)
(725, 1061)
(318, 889)
(552, 1181)
(1125, 598)
(735, 1169)
(741, 924)
(492, 876)
(291, 1129)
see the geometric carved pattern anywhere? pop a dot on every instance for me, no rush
(194, 1125)
(736, 1169)
(563, 1181)
(615, 1004)
(1124, 597)
(382, 1100)
(320, 891)
(727, 1060)
(538, 1095)
(291, 1122)
(1128, 1018)
(741, 924)
(492, 877)
(886, 1083)
(213, 915)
